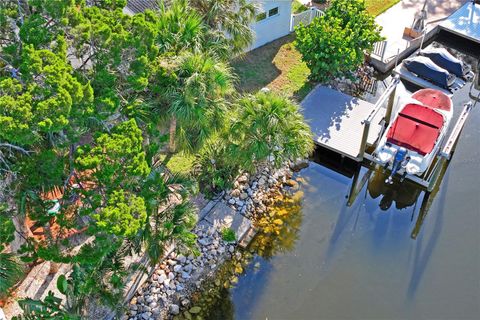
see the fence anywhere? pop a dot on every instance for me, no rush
(379, 49)
(305, 17)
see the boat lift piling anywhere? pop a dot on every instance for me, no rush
(390, 94)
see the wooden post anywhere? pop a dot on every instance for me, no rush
(439, 167)
(391, 100)
(363, 144)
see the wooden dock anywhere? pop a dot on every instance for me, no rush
(344, 124)
(336, 120)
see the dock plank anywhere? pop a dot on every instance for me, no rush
(336, 120)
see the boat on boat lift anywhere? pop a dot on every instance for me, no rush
(412, 141)
(425, 68)
(445, 60)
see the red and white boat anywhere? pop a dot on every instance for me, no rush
(412, 140)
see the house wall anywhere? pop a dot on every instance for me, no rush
(273, 27)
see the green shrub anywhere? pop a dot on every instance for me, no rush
(216, 168)
(228, 235)
(334, 44)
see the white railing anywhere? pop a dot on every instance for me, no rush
(306, 17)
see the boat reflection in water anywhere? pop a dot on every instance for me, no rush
(404, 195)
(399, 195)
(358, 218)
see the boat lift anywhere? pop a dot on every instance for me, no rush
(375, 121)
(430, 178)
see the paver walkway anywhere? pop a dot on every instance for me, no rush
(401, 15)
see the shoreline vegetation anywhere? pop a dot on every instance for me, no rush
(114, 123)
(176, 287)
(92, 102)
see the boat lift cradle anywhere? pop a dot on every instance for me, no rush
(430, 178)
(430, 181)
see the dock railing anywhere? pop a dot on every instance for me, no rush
(388, 94)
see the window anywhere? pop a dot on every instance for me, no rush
(264, 15)
(261, 16)
(273, 12)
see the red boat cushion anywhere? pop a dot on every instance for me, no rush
(416, 128)
(433, 99)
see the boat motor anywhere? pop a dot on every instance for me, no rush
(400, 161)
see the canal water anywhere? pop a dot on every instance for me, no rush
(381, 255)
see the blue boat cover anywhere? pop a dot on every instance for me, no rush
(444, 59)
(425, 68)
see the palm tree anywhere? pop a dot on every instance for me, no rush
(10, 272)
(198, 103)
(232, 17)
(180, 28)
(268, 126)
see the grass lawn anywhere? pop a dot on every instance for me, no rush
(298, 7)
(277, 66)
(376, 7)
(179, 163)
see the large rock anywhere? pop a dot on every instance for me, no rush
(181, 258)
(162, 278)
(299, 165)
(174, 309)
(236, 193)
(177, 268)
(292, 183)
(243, 179)
(222, 216)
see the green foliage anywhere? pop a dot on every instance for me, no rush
(334, 44)
(228, 235)
(10, 272)
(45, 170)
(232, 17)
(269, 127)
(180, 29)
(7, 228)
(263, 129)
(116, 158)
(218, 167)
(172, 223)
(48, 309)
(123, 216)
(41, 100)
(199, 98)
